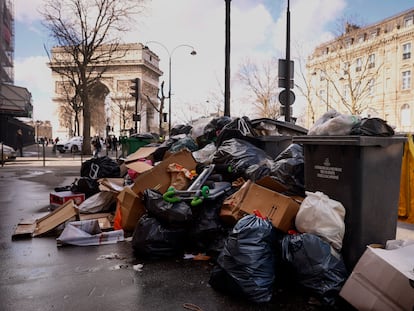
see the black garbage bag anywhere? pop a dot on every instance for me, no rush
(316, 265)
(289, 169)
(153, 240)
(247, 259)
(100, 167)
(181, 129)
(207, 233)
(174, 215)
(372, 127)
(88, 186)
(240, 155)
(186, 142)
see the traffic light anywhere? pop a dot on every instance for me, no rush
(135, 88)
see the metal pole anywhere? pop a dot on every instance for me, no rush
(287, 80)
(227, 63)
(169, 93)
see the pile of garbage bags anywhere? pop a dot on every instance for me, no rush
(249, 251)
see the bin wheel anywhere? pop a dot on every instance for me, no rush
(170, 197)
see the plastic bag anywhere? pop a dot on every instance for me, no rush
(100, 167)
(99, 202)
(240, 155)
(372, 127)
(153, 240)
(334, 123)
(320, 215)
(317, 267)
(289, 169)
(176, 215)
(248, 259)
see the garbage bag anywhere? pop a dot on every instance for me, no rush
(318, 214)
(102, 201)
(372, 127)
(289, 169)
(181, 129)
(248, 259)
(186, 142)
(153, 240)
(88, 186)
(174, 215)
(100, 167)
(240, 155)
(316, 265)
(334, 123)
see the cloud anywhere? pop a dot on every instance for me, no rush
(27, 11)
(258, 32)
(33, 74)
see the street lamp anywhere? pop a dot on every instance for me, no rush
(170, 54)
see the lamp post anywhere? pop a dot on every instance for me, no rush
(170, 54)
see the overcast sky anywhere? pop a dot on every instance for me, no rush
(258, 32)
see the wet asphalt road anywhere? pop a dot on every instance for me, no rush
(36, 274)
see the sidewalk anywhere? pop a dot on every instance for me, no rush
(33, 155)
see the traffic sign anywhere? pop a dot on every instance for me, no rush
(283, 97)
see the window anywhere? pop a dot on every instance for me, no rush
(346, 68)
(371, 85)
(407, 50)
(406, 80)
(408, 21)
(374, 34)
(405, 115)
(361, 38)
(348, 42)
(358, 66)
(371, 61)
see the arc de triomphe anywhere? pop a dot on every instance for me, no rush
(112, 105)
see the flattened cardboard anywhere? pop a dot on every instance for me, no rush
(141, 153)
(24, 229)
(379, 284)
(60, 215)
(280, 209)
(132, 207)
(139, 166)
(111, 184)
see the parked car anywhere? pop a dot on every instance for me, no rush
(73, 145)
(9, 154)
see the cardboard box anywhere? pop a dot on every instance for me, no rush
(58, 198)
(280, 209)
(130, 199)
(382, 280)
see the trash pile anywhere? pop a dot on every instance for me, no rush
(232, 190)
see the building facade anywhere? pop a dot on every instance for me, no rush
(366, 71)
(113, 105)
(7, 41)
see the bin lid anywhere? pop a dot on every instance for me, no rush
(354, 140)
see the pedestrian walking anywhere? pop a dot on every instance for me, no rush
(19, 141)
(97, 146)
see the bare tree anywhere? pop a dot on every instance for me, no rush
(349, 69)
(263, 84)
(85, 32)
(159, 108)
